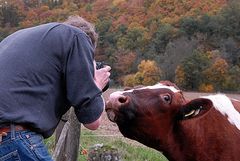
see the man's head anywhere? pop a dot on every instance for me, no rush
(85, 26)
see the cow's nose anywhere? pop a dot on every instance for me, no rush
(122, 99)
(118, 99)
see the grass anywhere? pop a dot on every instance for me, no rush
(128, 151)
(50, 144)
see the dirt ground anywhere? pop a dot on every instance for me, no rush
(110, 129)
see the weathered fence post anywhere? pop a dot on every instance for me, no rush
(73, 137)
(58, 154)
(68, 139)
(61, 125)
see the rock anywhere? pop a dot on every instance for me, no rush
(100, 152)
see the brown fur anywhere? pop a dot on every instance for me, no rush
(146, 117)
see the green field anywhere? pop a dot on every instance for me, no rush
(129, 151)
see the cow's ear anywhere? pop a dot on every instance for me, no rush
(194, 108)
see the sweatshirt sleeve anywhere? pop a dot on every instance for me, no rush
(82, 92)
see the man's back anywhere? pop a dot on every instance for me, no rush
(32, 64)
(43, 71)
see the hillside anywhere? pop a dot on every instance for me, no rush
(194, 43)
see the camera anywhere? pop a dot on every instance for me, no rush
(100, 65)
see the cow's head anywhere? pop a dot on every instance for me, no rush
(148, 114)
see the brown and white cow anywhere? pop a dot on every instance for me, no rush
(203, 129)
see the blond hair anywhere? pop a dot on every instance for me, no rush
(85, 26)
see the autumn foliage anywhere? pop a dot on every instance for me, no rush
(214, 75)
(148, 74)
(140, 37)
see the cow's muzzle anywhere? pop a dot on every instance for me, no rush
(115, 102)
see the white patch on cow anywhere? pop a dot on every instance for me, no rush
(223, 104)
(157, 86)
(115, 94)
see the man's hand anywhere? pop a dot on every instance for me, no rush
(102, 76)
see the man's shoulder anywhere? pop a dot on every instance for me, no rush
(64, 28)
(45, 26)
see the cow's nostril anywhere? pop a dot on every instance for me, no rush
(122, 99)
(117, 99)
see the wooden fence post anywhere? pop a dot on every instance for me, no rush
(67, 145)
(58, 154)
(61, 125)
(73, 137)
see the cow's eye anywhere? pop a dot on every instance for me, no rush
(166, 98)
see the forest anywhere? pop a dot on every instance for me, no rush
(194, 43)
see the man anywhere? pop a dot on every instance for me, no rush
(44, 70)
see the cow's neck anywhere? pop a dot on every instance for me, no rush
(172, 150)
(197, 139)
(169, 146)
(179, 145)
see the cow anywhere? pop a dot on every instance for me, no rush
(203, 129)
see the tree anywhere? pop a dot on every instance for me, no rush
(230, 16)
(189, 25)
(193, 67)
(180, 76)
(206, 87)
(31, 3)
(148, 74)
(9, 14)
(209, 25)
(125, 62)
(217, 73)
(103, 26)
(133, 40)
(129, 80)
(161, 37)
(233, 79)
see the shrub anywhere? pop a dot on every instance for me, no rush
(206, 88)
